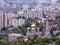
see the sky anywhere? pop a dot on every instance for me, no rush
(29, 1)
(54, 0)
(47, 0)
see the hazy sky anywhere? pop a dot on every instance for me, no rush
(48, 0)
(53, 1)
(32, 0)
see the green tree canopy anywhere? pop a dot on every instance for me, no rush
(4, 28)
(8, 43)
(29, 42)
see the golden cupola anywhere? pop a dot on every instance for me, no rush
(33, 25)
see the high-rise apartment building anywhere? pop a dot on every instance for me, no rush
(3, 20)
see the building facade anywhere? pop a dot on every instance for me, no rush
(3, 20)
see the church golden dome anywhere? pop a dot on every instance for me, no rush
(33, 25)
(33, 28)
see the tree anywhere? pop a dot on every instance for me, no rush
(41, 41)
(1, 43)
(42, 33)
(58, 34)
(17, 30)
(29, 42)
(0, 36)
(27, 23)
(35, 37)
(23, 17)
(18, 42)
(4, 28)
(53, 28)
(44, 16)
(40, 25)
(19, 17)
(57, 17)
(23, 29)
(8, 43)
(11, 26)
(50, 40)
(51, 31)
(57, 42)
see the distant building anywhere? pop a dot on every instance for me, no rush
(0, 22)
(3, 20)
(26, 6)
(31, 14)
(12, 20)
(18, 22)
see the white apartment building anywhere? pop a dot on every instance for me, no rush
(20, 22)
(12, 17)
(3, 20)
(16, 22)
(31, 14)
(0, 22)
